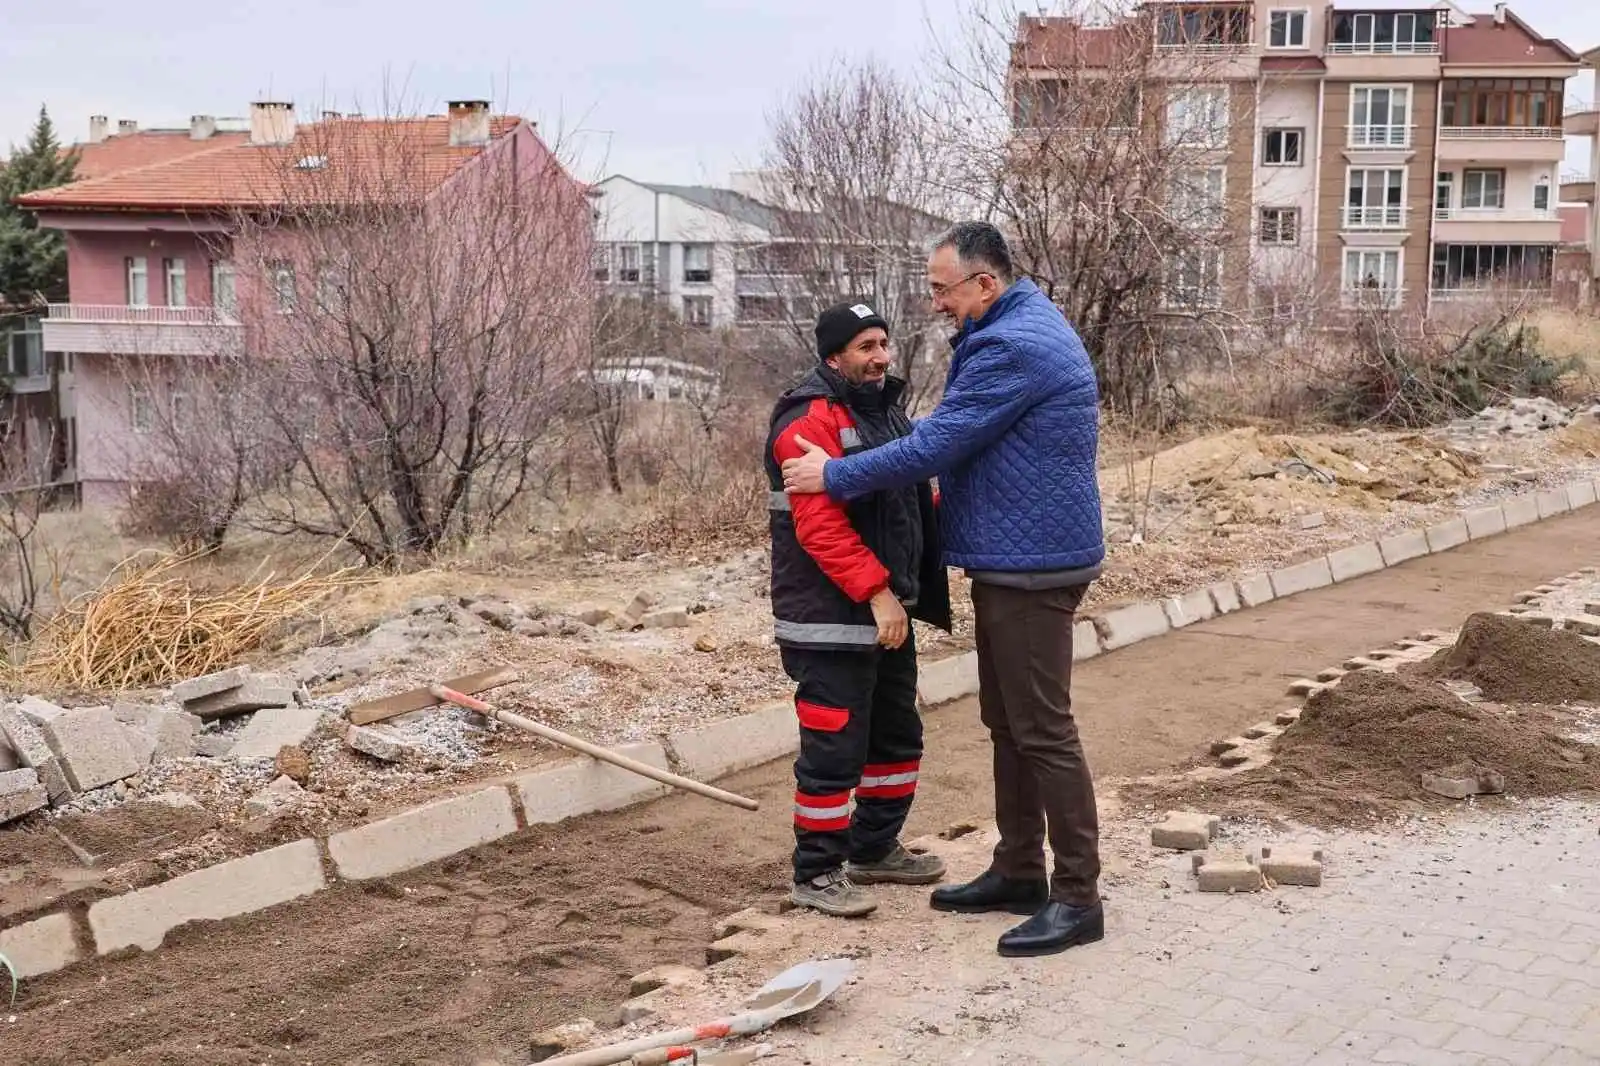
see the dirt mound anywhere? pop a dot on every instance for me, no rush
(1514, 661)
(1359, 750)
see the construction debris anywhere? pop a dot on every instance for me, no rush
(20, 794)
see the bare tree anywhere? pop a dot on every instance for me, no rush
(28, 566)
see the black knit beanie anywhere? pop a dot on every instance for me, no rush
(839, 325)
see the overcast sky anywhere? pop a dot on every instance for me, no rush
(674, 91)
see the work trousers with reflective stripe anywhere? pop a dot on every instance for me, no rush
(860, 738)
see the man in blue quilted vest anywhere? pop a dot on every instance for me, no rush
(1013, 443)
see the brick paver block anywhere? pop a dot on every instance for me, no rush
(93, 747)
(1484, 522)
(1553, 502)
(1191, 607)
(41, 946)
(1288, 716)
(1399, 547)
(1302, 577)
(947, 679)
(1085, 641)
(734, 744)
(143, 918)
(1185, 831)
(423, 834)
(1291, 866)
(582, 786)
(1356, 560)
(275, 728)
(21, 793)
(1331, 673)
(1132, 624)
(1228, 875)
(1262, 730)
(1304, 686)
(1451, 533)
(1580, 494)
(1255, 589)
(1520, 510)
(211, 684)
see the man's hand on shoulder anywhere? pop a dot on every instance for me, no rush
(805, 473)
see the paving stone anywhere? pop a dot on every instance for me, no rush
(1185, 831)
(1520, 510)
(1553, 502)
(1580, 494)
(583, 786)
(1451, 533)
(423, 834)
(1302, 577)
(734, 744)
(275, 728)
(1401, 547)
(1292, 866)
(257, 693)
(41, 946)
(1255, 589)
(1225, 594)
(1132, 624)
(1220, 747)
(1332, 673)
(210, 685)
(377, 742)
(1484, 522)
(158, 734)
(1487, 783)
(1240, 756)
(36, 710)
(93, 747)
(1354, 561)
(213, 745)
(1305, 687)
(1584, 625)
(1262, 730)
(1228, 875)
(1191, 607)
(666, 618)
(1289, 716)
(1085, 640)
(21, 794)
(143, 918)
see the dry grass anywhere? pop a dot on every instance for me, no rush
(1572, 335)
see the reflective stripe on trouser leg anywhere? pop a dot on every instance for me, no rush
(894, 780)
(822, 814)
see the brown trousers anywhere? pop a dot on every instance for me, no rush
(1041, 778)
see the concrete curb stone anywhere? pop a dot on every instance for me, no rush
(585, 786)
(1484, 522)
(42, 946)
(1403, 547)
(423, 834)
(1132, 624)
(1255, 589)
(1302, 577)
(1356, 560)
(1451, 533)
(1085, 645)
(1553, 502)
(735, 744)
(1519, 510)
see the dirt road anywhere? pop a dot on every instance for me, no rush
(461, 962)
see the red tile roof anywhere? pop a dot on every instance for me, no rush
(1512, 44)
(125, 151)
(364, 158)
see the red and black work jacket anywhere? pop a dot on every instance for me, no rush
(830, 558)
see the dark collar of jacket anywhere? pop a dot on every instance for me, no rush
(1019, 290)
(864, 397)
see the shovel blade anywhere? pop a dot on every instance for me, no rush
(801, 987)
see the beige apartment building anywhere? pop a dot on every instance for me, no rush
(1405, 154)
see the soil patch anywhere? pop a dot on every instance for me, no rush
(1515, 661)
(132, 830)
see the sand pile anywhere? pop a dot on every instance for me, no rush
(1514, 661)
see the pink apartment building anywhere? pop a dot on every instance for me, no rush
(156, 282)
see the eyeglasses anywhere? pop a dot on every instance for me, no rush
(937, 290)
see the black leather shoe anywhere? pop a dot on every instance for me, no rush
(1057, 927)
(991, 892)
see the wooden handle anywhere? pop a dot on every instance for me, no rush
(655, 773)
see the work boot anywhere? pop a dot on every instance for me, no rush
(990, 891)
(833, 893)
(899, 867)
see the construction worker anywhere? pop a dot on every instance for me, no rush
(846, 580)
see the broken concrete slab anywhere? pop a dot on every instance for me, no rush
(283, 793)
(255, 694)
(274, 728)
(93, 747)
(1462, 786)
(1185, 831)
(377, 742)
(569, 1037)
(41, 946)
(214, 745)
(1292, 866)
(21, 794)
(157, 733)
(9, 759)
(210, 685)
(667, 975)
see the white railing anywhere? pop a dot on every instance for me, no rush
(1493, 289)
(1493, 214)
(1500, 133)
(1574, 177)
(1209, 49)
(1356, 295)
(1385, 48)
(1579, 107)
(1393, 217)
(1379, 137)
(121, 314)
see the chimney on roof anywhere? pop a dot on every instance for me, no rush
(1499, 14)
(99, 128)
(469, 123)
(127, 125)
(201, 127)
(271, 122)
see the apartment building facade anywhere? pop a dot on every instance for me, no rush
(1578, 189)
(1404, 154)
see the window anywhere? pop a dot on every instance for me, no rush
(1056, 103)
(177, 283)
(138, 285)
(1194, 278)
(1444, 187)
(628, 259)
(224, 295)
(1521, 103)
(1197, 199)
(1282, 147)
(180, 408)
(1374, 271)
(1483, 189)
(1383, 33)
(141, 410)
(1209, 25)
(330, 283)
(1375, 199)
(697, 263)
(1541, 195)
(280, 277)
(760, 309)
(602, 262)
(697, 311)
(1286, 29)
(1380, 117)
(1280, 225)
(1199, 117)
(1475, 266)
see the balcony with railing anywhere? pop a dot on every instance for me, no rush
(1511, 144)
(1379, 138)
(116, 329)
(1490, 224)
(1383, 48)
(1383, 217)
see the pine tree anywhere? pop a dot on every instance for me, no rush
(33, 261)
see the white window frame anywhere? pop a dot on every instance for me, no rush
(1542, 185)
(638, 264)
(1444, 180)
(1283, 132)
(698, 300)
(1393, 216)
(176, 278)
(136, 279)
(1289, 13)
(141, 408)
(1395, 135)
(1351, 285)
(224, 287)
(1277, 228)
(1195, 203)
(1194, 100)
(1211, 259)
(708, 271)
(1467, 173)
(283, 284)
(181, 408)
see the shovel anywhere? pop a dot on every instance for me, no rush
(794, 991)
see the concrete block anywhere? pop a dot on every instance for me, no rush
(1085, 641)
(1304, 686)
(735, 744)
(423, 834)
(1191, 607)
(271, 729)
(37, 710)
(1288, 716)
(1552, 502)
(1352, 562)
(1225, 594)
(1520, 510)
(8, 757)
(947, 679)
(257, 693)
(1131, 624)
(21, 794)
(1451, 533)
(582, 786)
(667, 975)
(1229, 875)
(666, 618)
(1484, 522)
(1292, 866)
(1262, 730)
(41, 946)
(24, 739)
(1459, 787)
(377, 742)
(1580, 494)
(213, 745)
(1302, 577)
(1399, 547)
(1255, 589)
(158, 734)
(1185, 831)
(93, 747)
(143, 918)
(210, 684)
(1584, 625)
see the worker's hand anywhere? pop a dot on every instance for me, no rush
(804, 475)
(890, 614)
